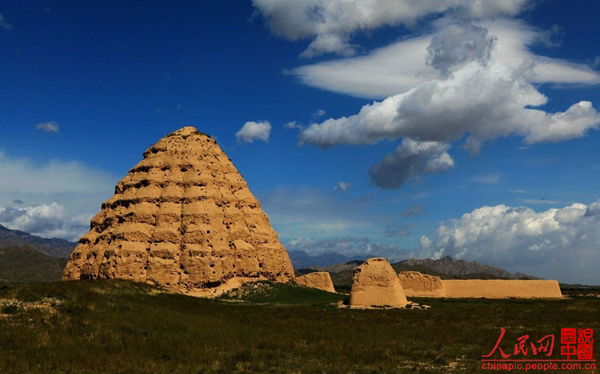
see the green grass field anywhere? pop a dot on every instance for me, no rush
(122, 327)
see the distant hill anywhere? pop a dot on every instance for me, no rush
(350, 265)
(461, 268)
(27, 264)
(54, 247)
(445, 268)
(301, 259)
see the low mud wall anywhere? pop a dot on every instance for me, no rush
(416, 284)
(499, 289)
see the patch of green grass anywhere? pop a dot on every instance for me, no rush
(123, 327)
(580, 290)
(281, 293)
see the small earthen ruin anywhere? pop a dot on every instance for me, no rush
(320, 280)
(375, 283)
(182, 219)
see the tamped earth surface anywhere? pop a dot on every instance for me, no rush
(183, 219)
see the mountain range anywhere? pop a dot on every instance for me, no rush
(301, 259)
(29, 258)
(54, 247)
(460, 268)
(445, 268)
(26, 257)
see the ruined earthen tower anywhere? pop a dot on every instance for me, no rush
(182, 219)
(375, 283)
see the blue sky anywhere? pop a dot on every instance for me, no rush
(366, 128)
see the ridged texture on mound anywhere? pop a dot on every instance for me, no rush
(182, 219)
(416, 284)
(318, 279)
(375, 283)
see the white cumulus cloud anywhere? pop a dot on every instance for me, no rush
(293, 125)
(343, 186)
(593, 209)
(319, 113)
(252, 131)
(563, 243)
(406, 64)
(348, 246)
(459, 44)
(465, 79)
(49, 127)
(332, 23)
(45, 220)
(485, 101)
(52, 197)
(471, 74)
(411, 160)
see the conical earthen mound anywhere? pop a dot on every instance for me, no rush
(182, 219)
(375, 283)
(319, 279)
